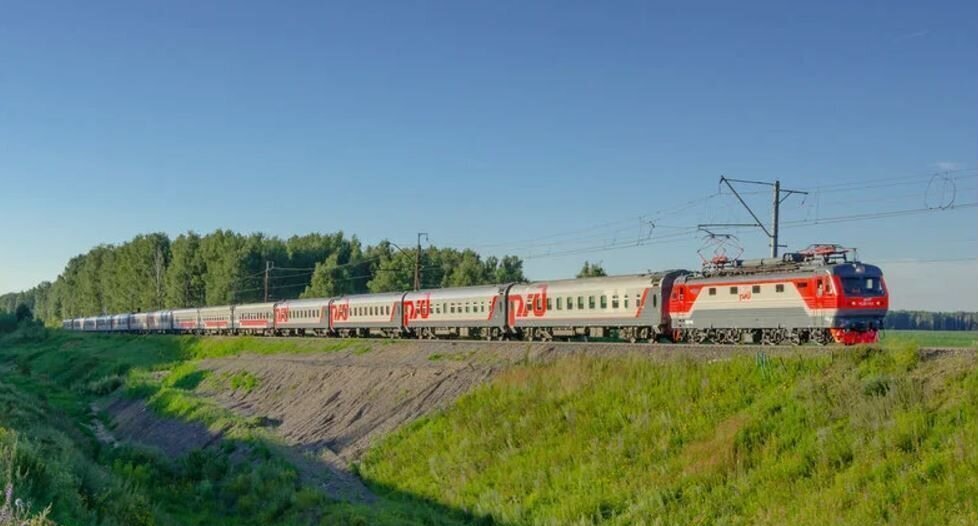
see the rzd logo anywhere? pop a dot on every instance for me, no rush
(340, 312)
(417, 309)
(535, 304)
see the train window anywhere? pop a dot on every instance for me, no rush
(756, 289)
(453, 308)
(713, 291)
(625, 303)
(604, 301)
(570, 303)
(580, 302)
(550, 303)
(560, 303)
(614, 302)
(802, 285)
(819, 290)
(590, 302)
(779, 287)
(466, 307)
(733, 290)
(483, 307)
(654, 300)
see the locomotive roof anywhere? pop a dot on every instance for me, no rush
(853, 268)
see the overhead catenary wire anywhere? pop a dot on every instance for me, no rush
(605, 238)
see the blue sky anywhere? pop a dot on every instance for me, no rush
(497, 125)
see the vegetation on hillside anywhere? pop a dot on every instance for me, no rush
(930, 338)
(152, 271)
(51, 378)
(850, 436)
(858, 436)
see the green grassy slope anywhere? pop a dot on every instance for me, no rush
(48, 446)
(851, 436)
(858, 436)
(931, 338)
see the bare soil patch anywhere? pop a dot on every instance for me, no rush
(336, 404)
(133, 422)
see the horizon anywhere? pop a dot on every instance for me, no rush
(555, 132)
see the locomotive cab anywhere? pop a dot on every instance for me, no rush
(862, 302)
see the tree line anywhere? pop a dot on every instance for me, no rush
(152, 272)
(927, 321)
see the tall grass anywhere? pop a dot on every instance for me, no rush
(860, 436)
(856, 436)
(932, 338)
(49, 381)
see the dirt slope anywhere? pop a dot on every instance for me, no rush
(335, 405)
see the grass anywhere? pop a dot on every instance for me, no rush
(49, 380)
(856, 436)
(932, 338)
(851, 436)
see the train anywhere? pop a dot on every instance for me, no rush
(818, 295)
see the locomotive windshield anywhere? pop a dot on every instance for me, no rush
(862, 286)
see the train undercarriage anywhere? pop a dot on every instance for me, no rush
(774, 336)
(632, 334)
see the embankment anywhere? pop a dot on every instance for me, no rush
(306, 431)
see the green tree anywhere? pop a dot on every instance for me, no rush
(591, 270)
(343, 272)
(509, 269)
(23, 313)
(393, 270)
(184, 281)
(469, 271)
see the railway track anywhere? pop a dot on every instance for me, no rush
(554, 349)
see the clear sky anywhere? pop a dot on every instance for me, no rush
(547, 129)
